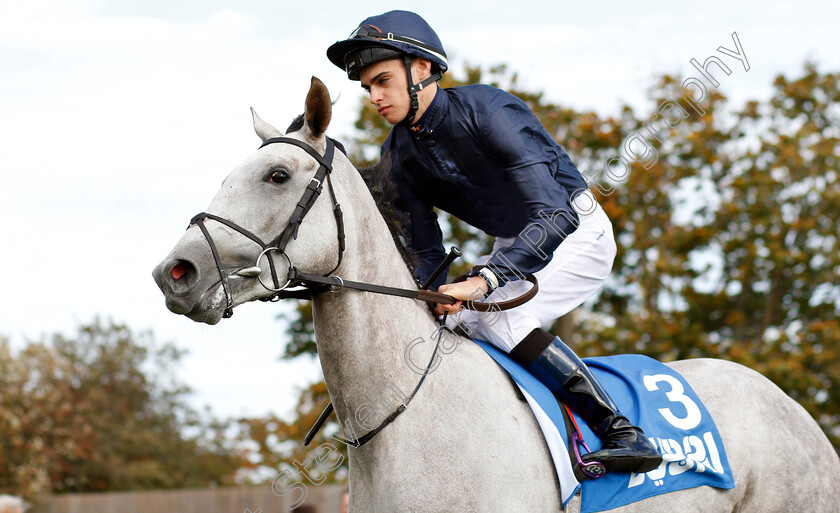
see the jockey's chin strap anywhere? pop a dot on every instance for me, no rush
(413, 89)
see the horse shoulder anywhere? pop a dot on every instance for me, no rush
(469, 432)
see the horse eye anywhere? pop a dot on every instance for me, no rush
(278, 176)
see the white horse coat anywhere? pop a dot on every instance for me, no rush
(466, 443)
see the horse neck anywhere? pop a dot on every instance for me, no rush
(362, 337)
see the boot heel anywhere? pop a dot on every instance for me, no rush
(625, 447)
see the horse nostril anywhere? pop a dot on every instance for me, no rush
(182, 271)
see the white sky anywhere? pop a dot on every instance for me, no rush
(119, 120)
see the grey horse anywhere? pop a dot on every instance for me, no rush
(466, 442)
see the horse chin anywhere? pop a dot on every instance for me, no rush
(209, 308)
(211, 316)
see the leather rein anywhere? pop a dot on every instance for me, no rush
(311, 284)
(303, 285)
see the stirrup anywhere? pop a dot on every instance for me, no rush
(584, 470)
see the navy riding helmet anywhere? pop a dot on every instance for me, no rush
(387, 36)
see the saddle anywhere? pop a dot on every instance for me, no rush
(654, 397)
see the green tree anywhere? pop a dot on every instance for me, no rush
(102, 411)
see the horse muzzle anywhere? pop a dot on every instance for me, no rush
(190, 285)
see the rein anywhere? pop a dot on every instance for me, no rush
(307, 285)
(334, 283)
(312, 284)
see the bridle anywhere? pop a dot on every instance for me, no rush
(306, 285)
(295, 277)
(311, 284)
(279, 243)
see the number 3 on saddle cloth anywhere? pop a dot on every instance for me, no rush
(655, 398)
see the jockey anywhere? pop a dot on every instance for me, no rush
(480, 154)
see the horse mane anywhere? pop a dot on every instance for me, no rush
(378, 181)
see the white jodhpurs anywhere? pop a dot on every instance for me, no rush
(577, 270)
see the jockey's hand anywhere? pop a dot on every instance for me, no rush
(471, 289)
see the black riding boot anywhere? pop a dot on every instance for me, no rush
(625, 447)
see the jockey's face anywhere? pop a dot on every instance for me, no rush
(387, 85)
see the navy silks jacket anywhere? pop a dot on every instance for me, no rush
(482, 155)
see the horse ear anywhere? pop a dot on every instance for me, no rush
(318, 109)
(263, 129)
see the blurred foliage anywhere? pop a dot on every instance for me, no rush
(727, 242)
(103, 411)
(278, 444)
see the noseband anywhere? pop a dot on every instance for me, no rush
(311, 284)
(279, 243)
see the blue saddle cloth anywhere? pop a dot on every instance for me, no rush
(658, 400)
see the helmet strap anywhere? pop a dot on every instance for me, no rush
(414, 88)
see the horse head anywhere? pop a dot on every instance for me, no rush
(264, 220)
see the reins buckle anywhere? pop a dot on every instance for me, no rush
(335, 288)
